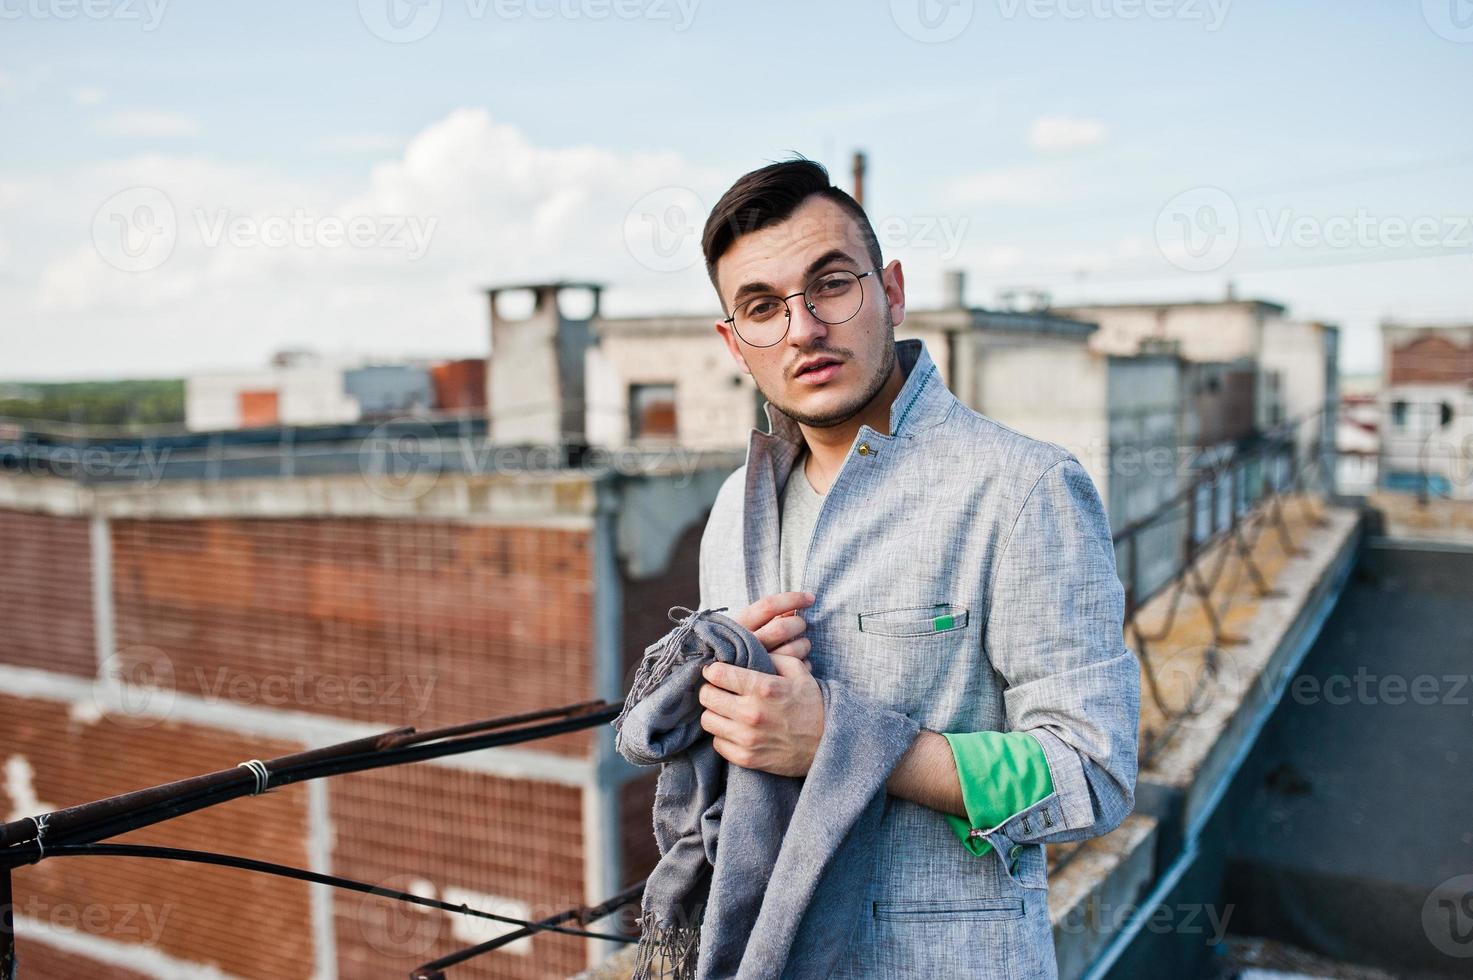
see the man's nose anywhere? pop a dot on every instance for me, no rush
(805, 328)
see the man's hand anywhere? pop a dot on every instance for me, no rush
(758, 720)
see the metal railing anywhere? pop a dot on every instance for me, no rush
(79, 831)
(1221, 514)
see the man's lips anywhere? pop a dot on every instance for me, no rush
(818, 365)
(819, 374)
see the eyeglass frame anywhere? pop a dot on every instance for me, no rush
(788, 310)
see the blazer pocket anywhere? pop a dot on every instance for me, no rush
(935, 617)
(958, 909)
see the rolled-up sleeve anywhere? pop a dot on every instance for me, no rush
(1054, 635)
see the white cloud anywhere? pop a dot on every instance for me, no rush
(1050, 134)
(89, 95)
(148, 122)
(492, 205)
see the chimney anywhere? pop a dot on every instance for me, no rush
(954, 289)
(1232, 291)
(535, 378)
(859, 177)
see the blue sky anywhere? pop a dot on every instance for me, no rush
(1057, 144)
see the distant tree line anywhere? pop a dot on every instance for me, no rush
(157, 402)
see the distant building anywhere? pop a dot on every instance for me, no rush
(302, 388)
(1291, 366)
(1426, 405)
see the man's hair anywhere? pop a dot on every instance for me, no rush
(769, 195)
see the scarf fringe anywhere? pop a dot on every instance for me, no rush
(666, 952)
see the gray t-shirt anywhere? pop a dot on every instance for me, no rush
(798, 514)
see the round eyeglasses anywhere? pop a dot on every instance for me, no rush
(833, 297)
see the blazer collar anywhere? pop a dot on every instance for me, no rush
(921, 402)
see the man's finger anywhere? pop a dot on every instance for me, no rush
(769, 607)
(797, 649)
(737, 680)
(782, 630)
(720, 701)
(723, 727)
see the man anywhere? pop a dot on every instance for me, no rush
(956, 571)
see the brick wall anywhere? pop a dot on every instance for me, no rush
(378, 621)
(1431, 360)
(46, 593)
(59, 755)
(456, 836)
(390, 622)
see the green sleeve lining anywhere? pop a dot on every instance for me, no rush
(1001, 773)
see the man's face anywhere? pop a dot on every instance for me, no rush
(819, 237)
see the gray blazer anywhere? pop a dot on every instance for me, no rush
(954, 515)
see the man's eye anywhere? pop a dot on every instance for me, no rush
(761, 309)
(833, 285)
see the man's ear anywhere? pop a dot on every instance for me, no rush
(893, 276)
(732, 347)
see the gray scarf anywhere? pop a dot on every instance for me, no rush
(781, 895)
